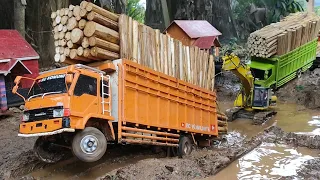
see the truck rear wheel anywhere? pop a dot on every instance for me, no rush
(46, 151)
(89, 145)
(185, 146)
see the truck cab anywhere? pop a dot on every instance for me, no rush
(264, 72)
(67, 100)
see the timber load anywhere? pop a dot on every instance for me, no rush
(280, 38)
(87, 34)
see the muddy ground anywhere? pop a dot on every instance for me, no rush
(16, 156)
(304, 90)
(204, 163)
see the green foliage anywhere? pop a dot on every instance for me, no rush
(317, 10)
(135, 10)
(270, 11)
(281, 8)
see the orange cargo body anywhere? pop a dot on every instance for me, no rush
(155, 100)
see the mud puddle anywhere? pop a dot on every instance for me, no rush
(116, 157)
(268, 161)
(290, 118)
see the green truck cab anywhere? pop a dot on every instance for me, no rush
(276, 71)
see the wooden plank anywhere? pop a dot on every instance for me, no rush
(172, 57)
(135, 35)
(169, 55)
(196, 61)
(181, 61)
(153, 50)
(192, 64)
(123, 35)
(161, 53)
(188, 64)
(141, 44)
(157, 39)
(129, 42)
(165, 52)
(210, 73)
(176, 57)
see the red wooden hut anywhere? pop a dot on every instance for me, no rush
(17, 58)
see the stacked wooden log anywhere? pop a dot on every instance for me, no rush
(89, 34)
(280, 38)
(85, 33)
(222, 123)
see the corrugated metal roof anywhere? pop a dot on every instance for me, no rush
(197, 28)
(13, 45)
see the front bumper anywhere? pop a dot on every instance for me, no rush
(48, 133)
(42, 126)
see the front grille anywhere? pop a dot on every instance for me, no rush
(42, 114)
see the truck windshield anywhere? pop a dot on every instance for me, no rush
(261, 74)
(50, 84)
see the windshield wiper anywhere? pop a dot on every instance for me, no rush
(57, 92)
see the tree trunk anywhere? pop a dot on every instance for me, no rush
(19, 16)
(216, 12)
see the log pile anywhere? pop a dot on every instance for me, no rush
(85, 33)
(222, 123)
(280, 38)
(88, 33)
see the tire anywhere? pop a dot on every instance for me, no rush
(46, 152)
(299, 73)
(185, 146)
(89, 145)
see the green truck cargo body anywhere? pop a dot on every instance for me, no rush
(278, 70)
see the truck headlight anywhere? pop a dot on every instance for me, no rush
(58, 113)
(25, 117)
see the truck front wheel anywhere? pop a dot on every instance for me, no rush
(46, 151)
(89, 145)
(185, 146)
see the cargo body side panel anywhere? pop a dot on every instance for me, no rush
(154, 99)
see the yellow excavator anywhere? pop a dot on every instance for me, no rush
(253, 101)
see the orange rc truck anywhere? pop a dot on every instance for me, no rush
(84, 108)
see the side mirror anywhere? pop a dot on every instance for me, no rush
(69, 78)
(17, 80)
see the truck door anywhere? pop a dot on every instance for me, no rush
(84, 99)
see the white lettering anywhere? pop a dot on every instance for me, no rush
(197, 127)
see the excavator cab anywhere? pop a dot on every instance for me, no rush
(261, 98)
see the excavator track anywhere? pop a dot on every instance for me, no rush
(258, 117)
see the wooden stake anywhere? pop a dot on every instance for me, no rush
(93, 28)
(93, 16)
(92, 7)
(97, 42)
(103, 54)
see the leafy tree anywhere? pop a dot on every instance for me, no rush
(135, 10)
(251, 15)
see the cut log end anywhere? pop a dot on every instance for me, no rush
(76, 35)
